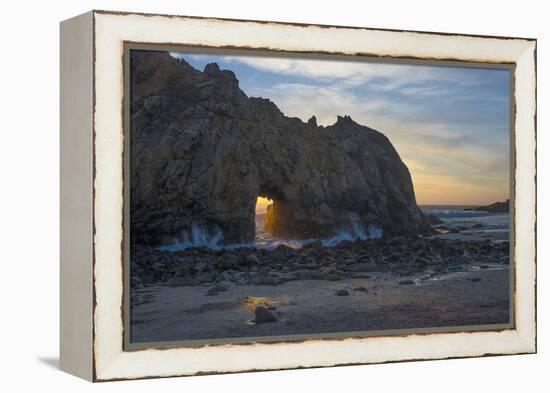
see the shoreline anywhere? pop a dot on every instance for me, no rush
(407, 282)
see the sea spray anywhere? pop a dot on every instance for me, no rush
(197, 236)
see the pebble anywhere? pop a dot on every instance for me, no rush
(313, 245)
(455, 268)
(342, 292)
(252, 259)
(332, 277)
(212, 292)
(182, 282)
(266, 280)
(360, 275)
(204, 277)
(406, 282)
(309, 275)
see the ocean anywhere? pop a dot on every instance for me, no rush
(265, 239)
(452, 217)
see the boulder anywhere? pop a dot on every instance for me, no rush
(263, 315)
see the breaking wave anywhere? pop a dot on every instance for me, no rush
(213, 239)
(458, 217)
(446, 213)
(197, 236)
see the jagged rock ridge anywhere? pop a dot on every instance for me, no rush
(202, 152)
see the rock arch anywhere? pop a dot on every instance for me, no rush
(202, 151)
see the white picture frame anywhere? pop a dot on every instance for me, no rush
(92, 190)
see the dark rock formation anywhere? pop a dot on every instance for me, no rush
(224, 268)
(497, 207)
(433, 219)
(202, 152)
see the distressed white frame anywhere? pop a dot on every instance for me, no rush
(111, 30)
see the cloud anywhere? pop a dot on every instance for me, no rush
(349, 72)
(383, 76)
(326, 103)
(448, 124)
(469, 162)
(425, 91)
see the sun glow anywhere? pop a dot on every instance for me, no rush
(251, 302)
(262, 204)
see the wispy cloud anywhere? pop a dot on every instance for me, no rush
(449, 124)
(383, 76)
(326, 103)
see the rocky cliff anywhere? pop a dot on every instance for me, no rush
(202, 152)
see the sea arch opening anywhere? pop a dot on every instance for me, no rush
(269, 213)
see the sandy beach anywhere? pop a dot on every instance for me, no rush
(312, 306)
(462, 280)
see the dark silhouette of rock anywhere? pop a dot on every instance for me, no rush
(342, 292)
(263, 315)
(150, 265)
(433, 219)
(497, 207)
(202, 152)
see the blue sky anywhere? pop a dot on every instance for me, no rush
(450, 125)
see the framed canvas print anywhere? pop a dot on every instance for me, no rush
(245, 195)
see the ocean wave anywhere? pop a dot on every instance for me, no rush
(454, 218)
(213, 239)
(197, 236)
(456, 213)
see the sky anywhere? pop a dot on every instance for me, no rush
(450, 125)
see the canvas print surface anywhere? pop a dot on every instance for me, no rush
(279, 197)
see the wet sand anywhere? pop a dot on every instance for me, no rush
(422, 300)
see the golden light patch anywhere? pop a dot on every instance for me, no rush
(262, 204)
(251, 302)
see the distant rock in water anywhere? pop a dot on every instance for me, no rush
(497, 207)
(202, 151)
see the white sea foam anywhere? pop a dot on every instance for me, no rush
(213, 239)
(197, 236)
(458, 217)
